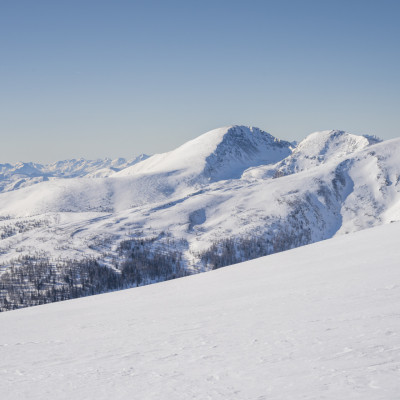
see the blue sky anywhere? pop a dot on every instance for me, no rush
(117, 78)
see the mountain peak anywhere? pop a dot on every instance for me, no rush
(322, 146)
(243, 147)
(332, 143)
(222, 153)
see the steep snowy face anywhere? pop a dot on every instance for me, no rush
(242, 148)
(222, 153)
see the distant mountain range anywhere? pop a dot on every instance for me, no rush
(22, 174)
(232, 194)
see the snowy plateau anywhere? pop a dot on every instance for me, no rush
(317, 322)
(230, 195)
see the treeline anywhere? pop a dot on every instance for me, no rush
(19, 227)
(146, 261)
(35, 280)
(282, 235)
(234, 250)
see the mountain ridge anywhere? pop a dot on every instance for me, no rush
(23, 174)
(232, 148)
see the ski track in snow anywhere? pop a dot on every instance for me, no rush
(318, 322)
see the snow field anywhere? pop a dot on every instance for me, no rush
(318, 322)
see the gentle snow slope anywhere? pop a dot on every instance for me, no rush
(317, 322)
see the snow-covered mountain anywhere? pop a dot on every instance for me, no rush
(220, 154)
(317, 322)
(21, 174)
(316, 149)
(232, 194)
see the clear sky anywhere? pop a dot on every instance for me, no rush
(117, 78)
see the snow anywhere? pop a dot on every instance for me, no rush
(222, 153)
(318, 322)
(316, 149)
(332, 183)
(18, 175)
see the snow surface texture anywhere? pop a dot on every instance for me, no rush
(318, 322)
(232, 182)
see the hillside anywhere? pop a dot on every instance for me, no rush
(317, 322)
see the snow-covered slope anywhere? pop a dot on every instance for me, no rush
(317, 322)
